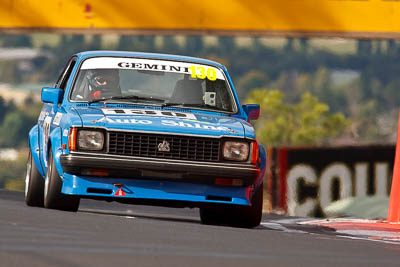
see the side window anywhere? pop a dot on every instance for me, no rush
(64, 76)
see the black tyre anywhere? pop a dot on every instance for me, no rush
(250, 216)
(238, 216)
(53, 198)
(34, 184)
(213, 215)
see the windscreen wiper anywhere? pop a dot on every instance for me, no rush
(125, 97)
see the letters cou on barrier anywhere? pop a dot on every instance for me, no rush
(304, 181)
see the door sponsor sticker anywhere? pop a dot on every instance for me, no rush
(57, 118)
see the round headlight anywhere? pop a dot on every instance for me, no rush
(90, 140)
(236, 150)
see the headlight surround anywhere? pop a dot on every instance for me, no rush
(238, 151)
(90, 140)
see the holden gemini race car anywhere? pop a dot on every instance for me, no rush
(144, 128)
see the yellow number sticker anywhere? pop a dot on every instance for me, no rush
(211, 74)
(202, 71)
(193, 71)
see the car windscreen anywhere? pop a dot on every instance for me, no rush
(169, 83)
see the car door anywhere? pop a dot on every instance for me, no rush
(48, 113)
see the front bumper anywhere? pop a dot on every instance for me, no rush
(153, 192)
(158, 169)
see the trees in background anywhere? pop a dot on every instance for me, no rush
(15, 122)
(15, 40)
(307, 122)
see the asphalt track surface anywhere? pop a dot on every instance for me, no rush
(112, 234)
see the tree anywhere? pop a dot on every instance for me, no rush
(306, 123)
(136, 43)
(364, 47)
(16, 40)
(226, 43)
(170, 45)
(95, 42)
(16, 125)
(3, 108)
(10, 130)
(125, 43)
(252, 79)
(194, 45)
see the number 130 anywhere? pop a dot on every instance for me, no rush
(202, 74)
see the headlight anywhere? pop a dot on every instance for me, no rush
(236, 150)
(90, 140)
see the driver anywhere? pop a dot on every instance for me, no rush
(103, 83)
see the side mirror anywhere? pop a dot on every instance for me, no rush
(252, 111)
(52, 96)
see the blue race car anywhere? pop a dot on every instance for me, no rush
(151, 129)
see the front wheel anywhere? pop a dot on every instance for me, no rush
(53, 198)
(238, 216)
(250, 216)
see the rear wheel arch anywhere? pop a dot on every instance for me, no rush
(54, 145)
(33, 144)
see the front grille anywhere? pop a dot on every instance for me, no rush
(181, 147)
